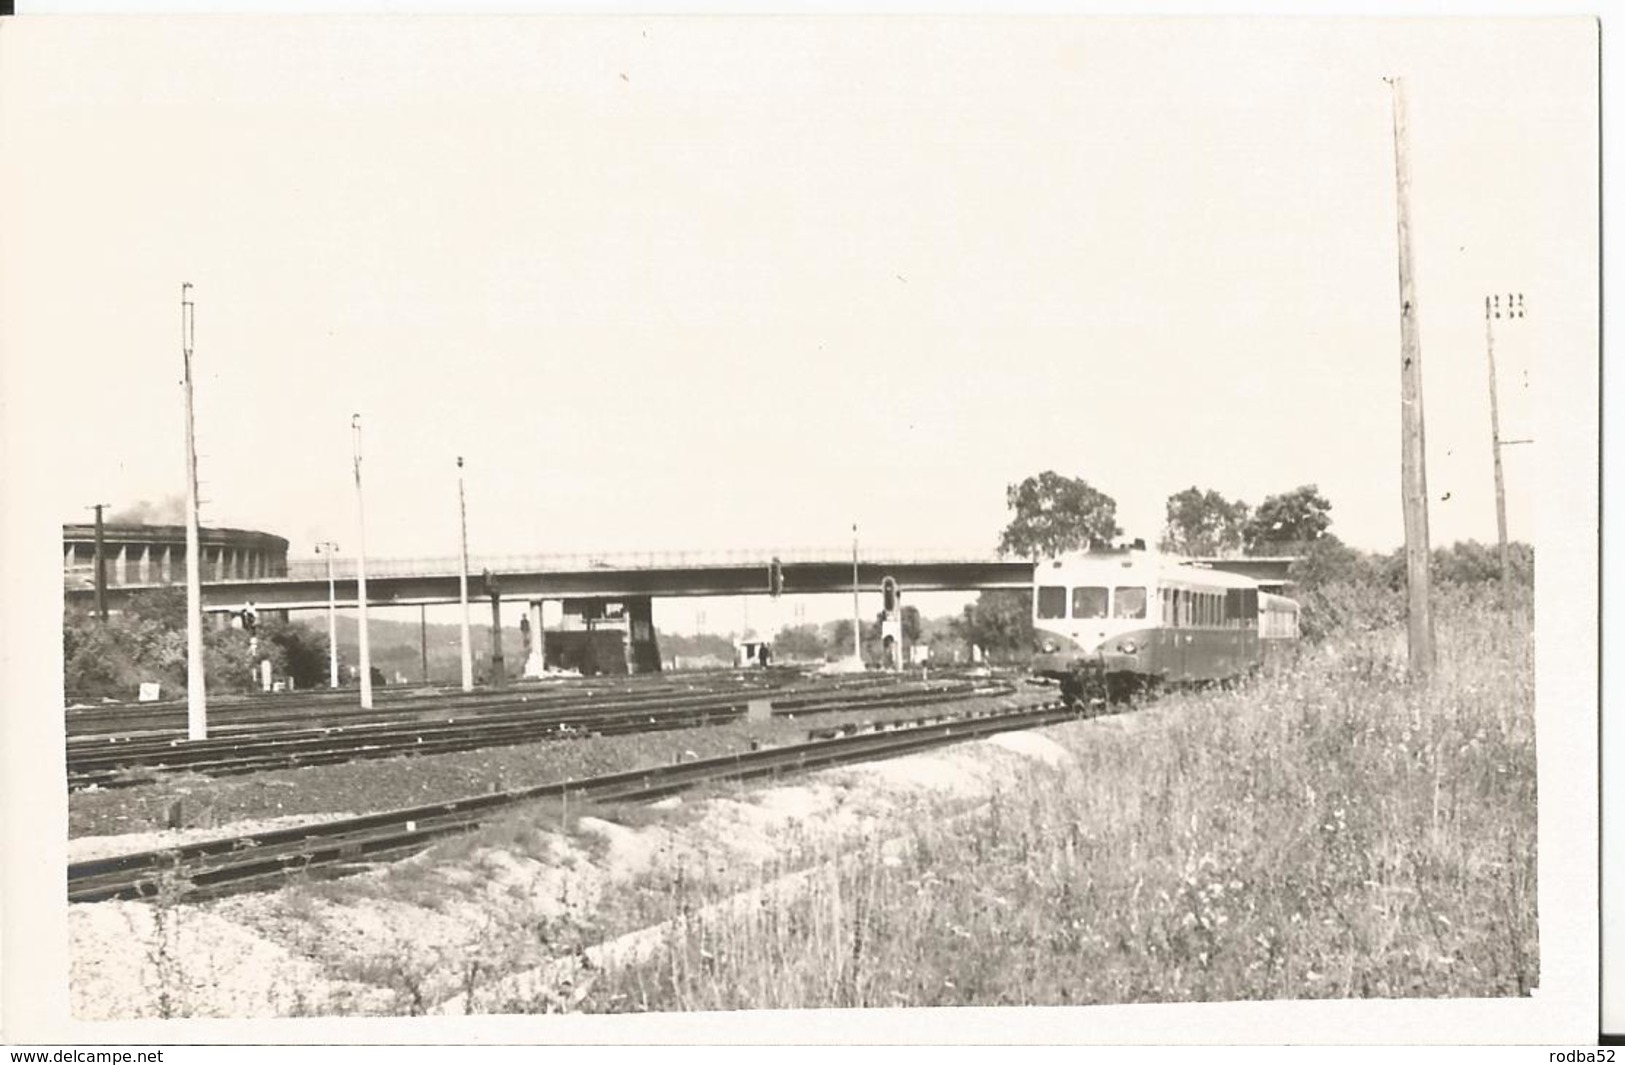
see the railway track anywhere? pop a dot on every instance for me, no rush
(266, 860)
(127, 762)
(243, 714)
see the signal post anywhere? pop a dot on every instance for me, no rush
(891, 624)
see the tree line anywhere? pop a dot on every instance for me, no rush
(1338, 587)
(1054, 515)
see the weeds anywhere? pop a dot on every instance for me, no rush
(1330, 831)
(168, 979)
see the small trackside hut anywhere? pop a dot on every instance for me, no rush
(1115, 621)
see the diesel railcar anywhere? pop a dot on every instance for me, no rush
(1112, 622)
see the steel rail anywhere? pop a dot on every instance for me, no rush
(128, 721)
(237, 863)
(119, 766)
(521, 707)
(143, 750)
(344, 752)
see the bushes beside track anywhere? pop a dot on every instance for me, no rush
(1344, 591)
(1329, 831)
(146, 642)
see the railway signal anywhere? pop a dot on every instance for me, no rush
(493, 588)
(891, 624)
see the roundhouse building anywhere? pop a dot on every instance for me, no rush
(156, 554)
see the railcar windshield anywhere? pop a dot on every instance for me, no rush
(1128, 603)
(1088, 602)
(1051, 602)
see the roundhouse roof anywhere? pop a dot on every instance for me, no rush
(123, 533)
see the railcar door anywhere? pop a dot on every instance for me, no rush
(1166, 646)
(1178, 635)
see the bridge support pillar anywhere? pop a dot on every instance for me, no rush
(536, 661)
(642, 647)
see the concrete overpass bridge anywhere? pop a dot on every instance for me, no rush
(625, 576)
(606, 595)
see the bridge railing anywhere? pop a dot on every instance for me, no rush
(586, 562)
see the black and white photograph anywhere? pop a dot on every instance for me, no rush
(569, 524)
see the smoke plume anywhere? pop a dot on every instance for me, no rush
(170, 510)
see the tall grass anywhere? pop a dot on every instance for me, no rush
(1326, 831)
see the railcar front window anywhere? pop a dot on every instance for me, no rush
(1129, 603)
(1088, 602)
(1051, 602)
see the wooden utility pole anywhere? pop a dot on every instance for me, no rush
(423, 638)
(1492, 311)
(365, 648)
(101, 565)
(857, 614)
(462, 582)
(1413, 440)
(197, 699)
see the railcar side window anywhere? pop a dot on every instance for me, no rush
(1051, 601)
(1128, 602)
(1088, 602)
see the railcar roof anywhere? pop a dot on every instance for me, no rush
(1169, 569)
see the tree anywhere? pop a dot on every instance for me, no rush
(1288, 521)
(1469, 562)
(97, 659)
(230, 666)
(147, 642)
(840, 637)
(800, 641)
(909, 616)
(999, 622)
(166, 606)
(1203, 523)
(1055, 515)
(302, 649)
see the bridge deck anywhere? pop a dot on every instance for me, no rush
(417, 581)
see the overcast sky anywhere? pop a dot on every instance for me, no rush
(733, 283)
